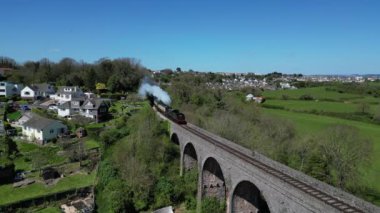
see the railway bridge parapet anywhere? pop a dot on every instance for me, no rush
(250, 182)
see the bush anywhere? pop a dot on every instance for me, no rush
(306, 97)
(285, 97)
(213, 205)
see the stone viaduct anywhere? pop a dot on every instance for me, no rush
(250, 182)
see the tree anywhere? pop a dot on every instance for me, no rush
(364, 107)
(376, 116)
(101, 86)
(344, 150)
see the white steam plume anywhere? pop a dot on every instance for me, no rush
(154, 90)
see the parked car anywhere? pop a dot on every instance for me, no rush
(25, 107)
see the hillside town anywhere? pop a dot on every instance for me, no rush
(67, 102)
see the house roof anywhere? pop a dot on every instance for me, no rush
(39, 122)
(44, 87)
(66, 105)
(95, 103)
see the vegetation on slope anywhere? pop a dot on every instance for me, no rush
(141, 171)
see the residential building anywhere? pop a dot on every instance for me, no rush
(64, 109)
(9, 89)
(37, 90)
(42, 130)
(68, 93)
(94, 108)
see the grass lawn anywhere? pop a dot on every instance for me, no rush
(320, 106)
(310, 124)
(95, 125)
(25, 147)
(316, 92)
(28, 149)
(8, 194)
(91, 143)
(14, 116)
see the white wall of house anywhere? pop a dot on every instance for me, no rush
(62, 97)
(42, 135)
(64, 112)
(32, 134)
(88, 113)
(27, 92)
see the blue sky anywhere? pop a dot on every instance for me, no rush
(291, 36)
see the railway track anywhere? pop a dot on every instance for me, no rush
(310, 190)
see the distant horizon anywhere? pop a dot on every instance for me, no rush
(309, 37)
(185, 70)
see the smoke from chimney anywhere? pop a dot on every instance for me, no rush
(147, 87)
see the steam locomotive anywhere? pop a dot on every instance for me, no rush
(173, 114)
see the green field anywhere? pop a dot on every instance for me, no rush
(304, 115)
(319, 106)
(317, 92)
(8, 194)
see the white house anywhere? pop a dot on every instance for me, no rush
(37, 90)
(42, 130)
(258, 99)
(8, 89)
(64, 109)
(249, 97)
(67, 93)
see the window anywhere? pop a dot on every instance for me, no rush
(26, 93)
(51, 131)
(2, 84)
(2, 90)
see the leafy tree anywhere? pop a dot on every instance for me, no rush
(100, 86)
(363, 107)
(343, 149)
(213, 204)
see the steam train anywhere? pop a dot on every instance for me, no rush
(173, 114)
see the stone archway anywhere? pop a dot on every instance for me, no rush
(190, 158)
(213, 183)
(174, 138)
(248, 198)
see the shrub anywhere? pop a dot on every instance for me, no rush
(213, 205)
(306, 97)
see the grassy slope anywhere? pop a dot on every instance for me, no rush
(308, 124)
(324, 106)
(26, 149)
(8, 194)
(316, 92)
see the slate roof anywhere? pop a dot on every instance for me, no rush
(44, 87)
(95, 103)
(66, 105)
(38, 122)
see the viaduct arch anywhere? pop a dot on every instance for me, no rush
(248, 186)
(248, 198)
